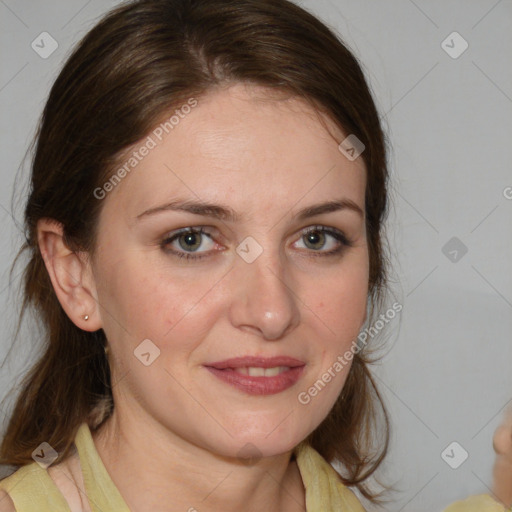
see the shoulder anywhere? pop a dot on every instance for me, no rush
(14, 485)
(6, 484)
(6, 503)
(32, 487)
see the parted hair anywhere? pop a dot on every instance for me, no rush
(143, 59)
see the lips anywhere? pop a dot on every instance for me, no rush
(258, 375)
(257, 362)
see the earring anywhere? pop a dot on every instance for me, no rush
(86, 317)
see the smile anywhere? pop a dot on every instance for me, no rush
(258, 376)
(254, 371)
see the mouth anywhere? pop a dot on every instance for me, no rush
(257, 375)
(255, 371)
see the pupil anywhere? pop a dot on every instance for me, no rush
(315, 237)
(189, 239)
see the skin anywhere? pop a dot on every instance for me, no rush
(502, 471)
(177, 429)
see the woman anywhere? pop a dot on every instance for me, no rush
(205, 238)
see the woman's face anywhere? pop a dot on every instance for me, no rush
(254, 286)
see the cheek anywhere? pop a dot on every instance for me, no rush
(142, 301)
(339, 313)
(340, 303)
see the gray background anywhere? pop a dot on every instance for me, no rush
(445, 373)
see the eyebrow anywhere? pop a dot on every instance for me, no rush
(226, 213)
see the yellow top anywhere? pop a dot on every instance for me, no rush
(480, 503)
(32, 489)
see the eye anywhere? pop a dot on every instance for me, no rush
(320, 237)
(185, 242)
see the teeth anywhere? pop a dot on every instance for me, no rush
(262, 372)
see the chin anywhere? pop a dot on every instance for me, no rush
(255, 442)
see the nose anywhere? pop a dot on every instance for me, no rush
(264, 301)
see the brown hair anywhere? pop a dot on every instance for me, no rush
(141, 60)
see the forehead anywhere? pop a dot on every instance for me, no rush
(241, 146)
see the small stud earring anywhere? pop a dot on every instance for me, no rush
(86, 317)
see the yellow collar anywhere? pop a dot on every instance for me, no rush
(324, 489)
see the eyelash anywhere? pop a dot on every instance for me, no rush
(338, 235)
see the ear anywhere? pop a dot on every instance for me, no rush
(71, 276)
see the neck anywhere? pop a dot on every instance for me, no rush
(142, 456)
